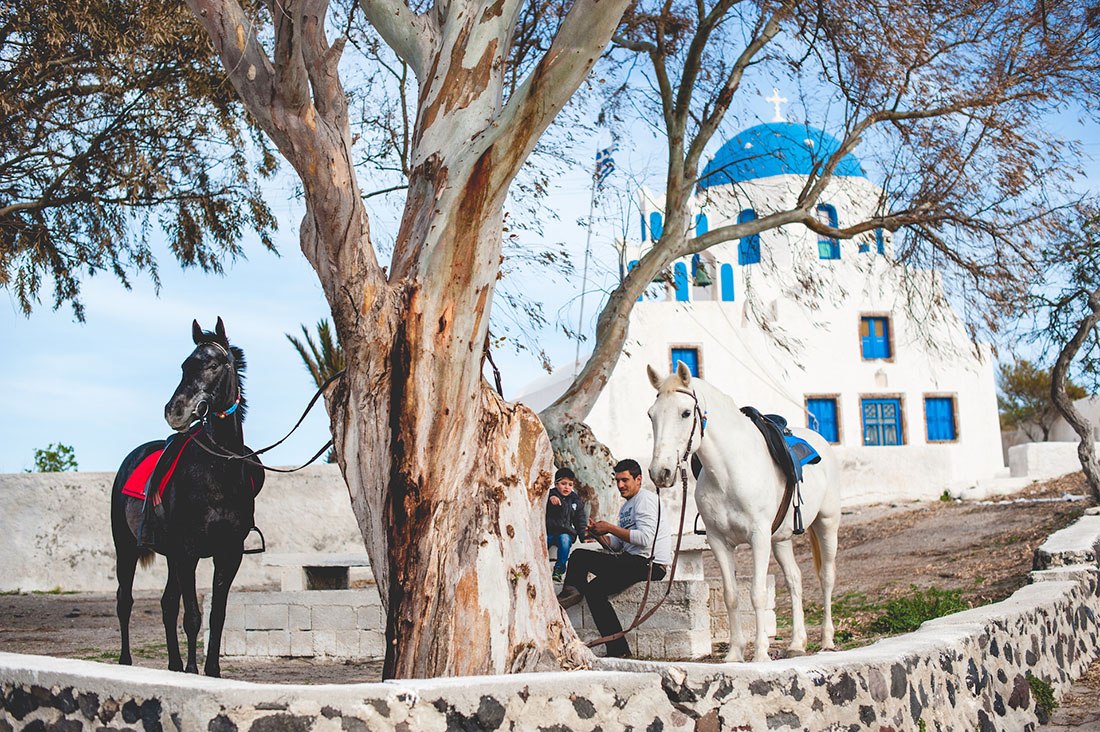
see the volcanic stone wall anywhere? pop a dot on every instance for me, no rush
(963, 672)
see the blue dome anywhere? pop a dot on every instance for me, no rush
(776, 148)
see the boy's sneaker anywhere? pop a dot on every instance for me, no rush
(559, 576)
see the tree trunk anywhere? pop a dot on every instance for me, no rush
(1064, 404)
(447, 481)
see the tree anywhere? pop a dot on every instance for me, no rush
(1025, 402)
(56, 458)
(115, 117)
(323, 361)
(948, 100)
(447, 480)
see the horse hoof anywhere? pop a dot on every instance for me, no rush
(125, 661)
(213, 672)
(794, 652)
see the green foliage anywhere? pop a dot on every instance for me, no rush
(1043, 693)
(55, 458)
(1024, 401)
(905, 614)
(945, 497)
(323, 358)
(117, 121)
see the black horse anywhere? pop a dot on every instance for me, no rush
(206, 508)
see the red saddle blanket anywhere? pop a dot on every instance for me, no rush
(135, 484)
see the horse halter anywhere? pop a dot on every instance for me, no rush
(698, 417)
(231, 363)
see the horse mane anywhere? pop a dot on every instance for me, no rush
(239, 365)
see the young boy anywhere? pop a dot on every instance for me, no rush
(564, 518)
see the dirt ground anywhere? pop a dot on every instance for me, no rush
(983, 549)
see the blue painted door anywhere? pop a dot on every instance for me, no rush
(875, 337)
(881, 422)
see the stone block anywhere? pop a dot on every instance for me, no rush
(324, 643)
(234, 614)
(233, 643)
(370, 617)
(293, 579)
(266, 616)
(301, 618)
(334, 617)
(686, 643)
(347, 643)
(301, 643)
(255, 642)
(278, 643)
(372, 644)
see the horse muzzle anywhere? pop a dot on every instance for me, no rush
(179, 414)
(662, 476)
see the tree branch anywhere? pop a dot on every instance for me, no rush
(411, 36)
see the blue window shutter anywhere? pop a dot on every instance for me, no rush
(632, 265)
(680, 277)
(643, 227)
(701, 226)
(748, 250)
(656, 226)
(875, 337)
(940, 418)
(880, 241)
(727, 282)
(690, 357)
(822, 418)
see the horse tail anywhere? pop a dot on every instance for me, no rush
(145, 557)
(815, 548)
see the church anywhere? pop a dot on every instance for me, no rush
(831, 334)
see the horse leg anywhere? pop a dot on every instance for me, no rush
(126, 559)
(192, 614)
(225, 569)
(724, 556)
(169, 613)
(823, 541)
(761, 553)
(784, 555)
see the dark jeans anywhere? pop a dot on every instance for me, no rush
(612, 573)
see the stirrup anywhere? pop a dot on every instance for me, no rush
(263, 544)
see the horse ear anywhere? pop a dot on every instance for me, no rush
(219, 330)
(196, 332)
(654, 377)
(683, 372)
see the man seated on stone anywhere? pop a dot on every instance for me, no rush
(564, 518)
(627, 563)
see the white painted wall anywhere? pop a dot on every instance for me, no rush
(56, 529)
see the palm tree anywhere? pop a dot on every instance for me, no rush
(322, 362)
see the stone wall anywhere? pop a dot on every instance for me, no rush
(57, 529)
(963, 672)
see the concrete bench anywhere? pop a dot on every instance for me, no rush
(320, 571)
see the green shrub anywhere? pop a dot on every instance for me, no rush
(905, 614)
(1043, 693)
(54, 459)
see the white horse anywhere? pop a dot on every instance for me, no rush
(738, 494)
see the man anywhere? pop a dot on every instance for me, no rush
(630, 542)
(564, 518)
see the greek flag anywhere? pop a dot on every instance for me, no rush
(605, 164)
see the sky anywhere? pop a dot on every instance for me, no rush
(100, 386)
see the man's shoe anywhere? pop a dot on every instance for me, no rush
(569, 596)
(559, 576)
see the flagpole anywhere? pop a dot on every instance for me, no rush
(584, 274)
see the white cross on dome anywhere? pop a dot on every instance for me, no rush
(777, 100)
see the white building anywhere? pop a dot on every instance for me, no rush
(827, 333)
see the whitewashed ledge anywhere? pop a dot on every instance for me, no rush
(963, 672)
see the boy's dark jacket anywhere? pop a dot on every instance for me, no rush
(568, 518)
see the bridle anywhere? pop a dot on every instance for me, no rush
(698, 417)
(204, 404)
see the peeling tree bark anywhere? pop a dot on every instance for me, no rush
(1081, 426)
(447, 481)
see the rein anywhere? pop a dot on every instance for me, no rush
(249, 457)
(699, 417)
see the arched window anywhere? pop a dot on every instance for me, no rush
(748, 251)
(827, 247)
(656, 227)
(727, 283)
(701, 226)
(680, 278)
